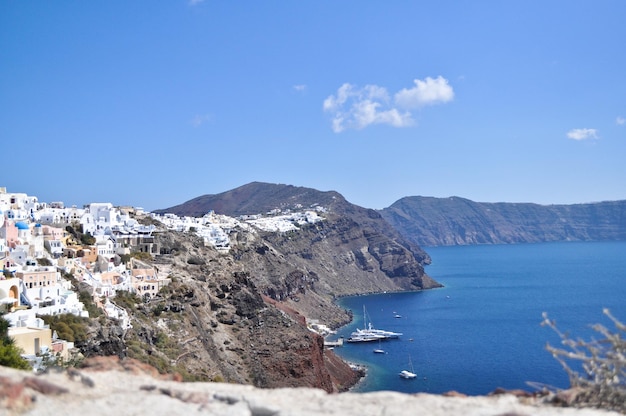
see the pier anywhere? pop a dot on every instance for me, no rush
(338, 343)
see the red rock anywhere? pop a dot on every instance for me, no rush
(13, 395)
(44, 387)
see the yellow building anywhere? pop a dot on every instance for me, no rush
(31, 340)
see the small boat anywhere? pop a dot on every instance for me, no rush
(397, 316)
(379, 350)
(406, 373)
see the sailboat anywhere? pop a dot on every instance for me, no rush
(379, 350)
(406, 373)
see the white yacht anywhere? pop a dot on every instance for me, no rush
(370, 332)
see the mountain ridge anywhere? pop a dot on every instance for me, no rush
(430, 221)
(253, 198)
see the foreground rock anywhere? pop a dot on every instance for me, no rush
(128, 387)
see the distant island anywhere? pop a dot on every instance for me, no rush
(428, 221)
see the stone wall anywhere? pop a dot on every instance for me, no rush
(108, 386)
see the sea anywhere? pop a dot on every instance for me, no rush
(482, 330)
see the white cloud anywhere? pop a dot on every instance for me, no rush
(427, 92)
(200, 119)
(620, 120)
(582, 134)
(356, 108)
(299, 87)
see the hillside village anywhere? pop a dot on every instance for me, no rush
(39, 248)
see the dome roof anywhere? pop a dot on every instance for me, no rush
(21, 225)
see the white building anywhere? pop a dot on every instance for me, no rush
(3, 239)
(105, 246)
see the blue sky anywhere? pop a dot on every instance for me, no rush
(153, 103)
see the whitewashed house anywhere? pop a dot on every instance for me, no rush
(3, 234)
(105, 246)
(49, 216)
(55, 247)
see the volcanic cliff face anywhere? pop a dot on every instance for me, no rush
(241, 316)
(456, 221)
(310, 268)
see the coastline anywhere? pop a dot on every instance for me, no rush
(361, 370)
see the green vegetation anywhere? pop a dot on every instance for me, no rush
(158, 309)
(90, 306)
(125, 299)
(141, 255)
(10, 354)
(125, 258)
(161, 352)
(50, 359)
(603, 381)
(68, 326)
(146, 354)
(44, 261)
(84, 296)
(76, 230)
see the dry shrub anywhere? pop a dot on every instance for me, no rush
(602, 381)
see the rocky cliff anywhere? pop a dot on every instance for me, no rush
(241, 316)
(431, 221)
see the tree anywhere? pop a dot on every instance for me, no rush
(87, 239)
(141, 255)
(44, 261)
(68, 326)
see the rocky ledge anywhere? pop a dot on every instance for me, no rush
(107, 386)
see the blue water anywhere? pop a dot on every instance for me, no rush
(482, 330)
